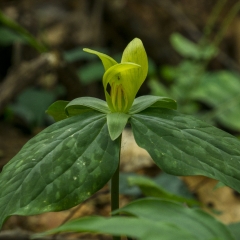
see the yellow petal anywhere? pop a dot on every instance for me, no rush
(106, 60)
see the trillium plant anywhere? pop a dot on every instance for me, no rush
(75, 157)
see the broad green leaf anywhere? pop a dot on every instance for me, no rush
(142, 229)
(60, 167)
(144, 102)
(116, 123)
(183, 145)
(86, 104)
(106, 60)
(235, 230)
(220, 90)
(151, 189)
(125, 188)
(57, 110)
(200, 224)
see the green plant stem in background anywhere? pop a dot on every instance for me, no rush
(115, 186)
(31, 40)
(228, 19)
(212, 19)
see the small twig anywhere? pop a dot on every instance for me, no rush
(24, 75)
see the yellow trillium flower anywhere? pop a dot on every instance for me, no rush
(121, 81)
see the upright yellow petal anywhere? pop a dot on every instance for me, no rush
(135, 53)
(106, 60)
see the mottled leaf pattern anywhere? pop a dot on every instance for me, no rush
(183, 145)
(60, 167)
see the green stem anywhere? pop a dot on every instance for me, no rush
(115, 191)
(213, 18)
(115, 187)
(228, 19)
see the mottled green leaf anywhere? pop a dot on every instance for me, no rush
(116, 123)
(57, 110)
(86, 104)
(183, 145)
(148, 101)
(142, 229)
(60, 167)
(235, 230)
(198, 223)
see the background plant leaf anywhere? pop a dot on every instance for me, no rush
(183, 145)
(152, 189)
(198, 223)
(220, 90)
(142, 229)
(60, 167)
(31, 104)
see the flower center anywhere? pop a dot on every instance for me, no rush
(119, 98)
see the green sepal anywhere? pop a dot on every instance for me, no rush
(57, 110)
(86, 104)
(148, 101)
(116, 123)
(106, 60)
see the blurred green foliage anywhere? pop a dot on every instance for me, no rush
(213, 95)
